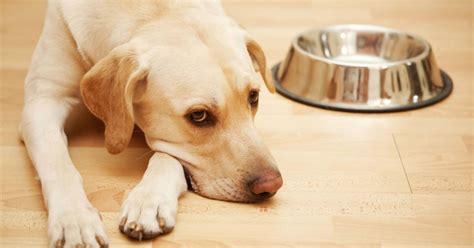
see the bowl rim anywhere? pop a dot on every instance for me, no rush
(362, 27)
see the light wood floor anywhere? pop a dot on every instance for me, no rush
(376, 180)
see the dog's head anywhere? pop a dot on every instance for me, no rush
(194, 93)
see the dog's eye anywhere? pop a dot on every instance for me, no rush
(253, 98)
(200, 117)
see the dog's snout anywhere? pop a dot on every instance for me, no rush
(267, 184)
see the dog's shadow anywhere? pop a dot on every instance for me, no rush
(85, 130)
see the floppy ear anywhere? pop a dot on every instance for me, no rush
(108, 90)
(259, 62)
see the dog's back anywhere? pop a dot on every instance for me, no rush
(99, 26)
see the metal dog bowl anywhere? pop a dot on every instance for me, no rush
(361, 68)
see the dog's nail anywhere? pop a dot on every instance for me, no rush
(100, 216)
(167, 229)
(59, 243)
(137, 233)
(138, 228)
(161, 222)
(101, 241)
(79, 246)
(122, 224)
(132, 226)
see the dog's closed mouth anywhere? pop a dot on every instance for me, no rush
(189, 177)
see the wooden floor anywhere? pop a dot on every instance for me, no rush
(351, 180)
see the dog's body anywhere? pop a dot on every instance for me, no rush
(180, 70)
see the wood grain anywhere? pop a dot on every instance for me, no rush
(351, 180)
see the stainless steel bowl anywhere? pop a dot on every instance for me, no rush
(361, 68)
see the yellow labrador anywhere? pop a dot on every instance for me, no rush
(183, 72)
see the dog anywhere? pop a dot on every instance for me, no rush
(182, 71)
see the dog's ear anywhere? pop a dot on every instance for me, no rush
(108, 90)
(259, 62)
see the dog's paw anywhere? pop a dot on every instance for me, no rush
(146, 213)
(77, 227)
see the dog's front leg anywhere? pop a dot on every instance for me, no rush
(150, 208)
(73, 221)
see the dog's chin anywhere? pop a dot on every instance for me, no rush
(222, 195)
(244, 198)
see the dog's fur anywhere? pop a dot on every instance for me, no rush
(151, 64)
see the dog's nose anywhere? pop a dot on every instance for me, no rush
(267, 184)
